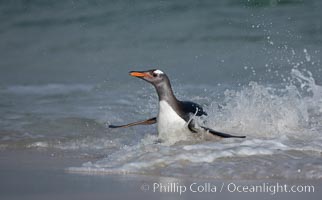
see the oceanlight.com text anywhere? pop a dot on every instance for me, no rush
(231, 187)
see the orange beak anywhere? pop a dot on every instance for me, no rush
(140, 74)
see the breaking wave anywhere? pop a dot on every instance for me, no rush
(283, 128)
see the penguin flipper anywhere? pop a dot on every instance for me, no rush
(144, 122)
(220, 134)
(194, 129)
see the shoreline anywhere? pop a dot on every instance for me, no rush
(34, 174)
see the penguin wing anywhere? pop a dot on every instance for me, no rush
(144, 122)
(192, 108)
(192, 126)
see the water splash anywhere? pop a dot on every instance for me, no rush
(265, 111)
(281, 124)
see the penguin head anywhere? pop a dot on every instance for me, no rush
(153, 76)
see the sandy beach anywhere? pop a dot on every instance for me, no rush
(38, 175)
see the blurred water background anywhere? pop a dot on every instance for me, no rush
(254, 65)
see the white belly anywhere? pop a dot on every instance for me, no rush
(171, 127)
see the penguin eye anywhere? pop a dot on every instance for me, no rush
(155, 75)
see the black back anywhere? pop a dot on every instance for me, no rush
(188, 108)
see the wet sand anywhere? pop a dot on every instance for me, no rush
(34, 174)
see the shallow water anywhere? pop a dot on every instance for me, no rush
(255, 67)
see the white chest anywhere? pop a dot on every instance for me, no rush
(171, 127)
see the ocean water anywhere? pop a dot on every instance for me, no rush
(255, 66)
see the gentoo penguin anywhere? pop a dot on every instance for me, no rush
(175, 118)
